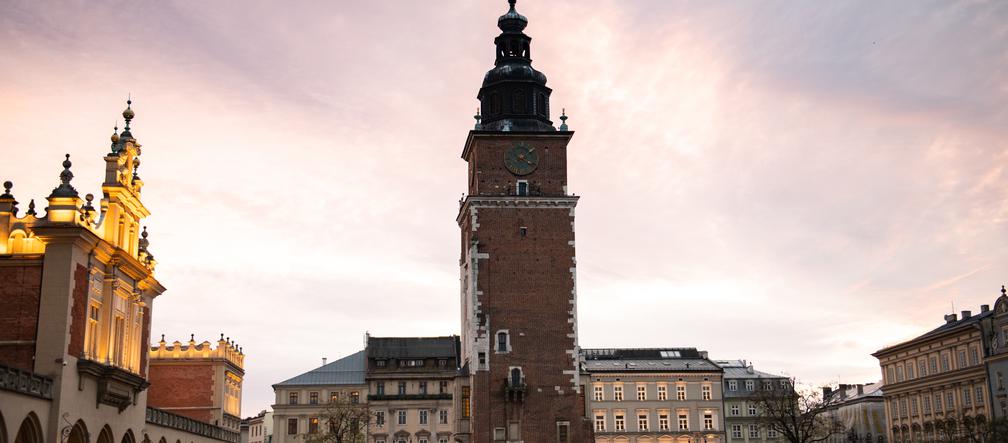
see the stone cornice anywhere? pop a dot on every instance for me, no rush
(939, 381)
(483, 202)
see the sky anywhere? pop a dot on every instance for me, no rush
(798, 184)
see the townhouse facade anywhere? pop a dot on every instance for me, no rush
(301, 402)
(742, 418)
(860, 411)
(653, 395)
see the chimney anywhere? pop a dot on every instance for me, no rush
(860, 389)
(324, 361)
(950, 318)
(966, 314)
(984, 308)
(703, 354)
(826, 392)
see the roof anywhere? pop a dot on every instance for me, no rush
(850, 394)
(348, 370)
(646, 360)
(740, 369)
(413, 347)
(947, 327)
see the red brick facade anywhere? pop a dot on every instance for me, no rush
(187, 385)
(78, 312)
(20, 292)
(526, 287)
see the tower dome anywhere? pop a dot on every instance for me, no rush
(514, 96)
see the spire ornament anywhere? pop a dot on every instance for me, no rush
(9, 184)
(563, 119)
(31, 208)
(478, 117)
(65, 189)
(143, 243)
(128, 115)
(7, 201)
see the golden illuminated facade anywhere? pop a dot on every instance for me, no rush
(77, 287)
(198, 380)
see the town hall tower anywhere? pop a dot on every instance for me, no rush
(517, 264)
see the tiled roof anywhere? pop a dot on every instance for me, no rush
(412, 347)
(646, 360)
(948, 326)
(348, 370)
(739, 369)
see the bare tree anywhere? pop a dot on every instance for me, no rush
(341, 422)
(798, 415)
(971, 430)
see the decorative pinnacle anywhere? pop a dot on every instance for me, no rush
(143, 243)
(563, 118)
(478, 118)
(31, 208)
(136, 165)
(65, 189)
(192, 337)
(162, 337)
(7, 187)
(1003, 292)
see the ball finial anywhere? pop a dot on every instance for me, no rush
(7, 186)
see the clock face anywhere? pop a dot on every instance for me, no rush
(520, 159)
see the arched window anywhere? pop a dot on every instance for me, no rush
(516, 377)
(105, 436)
(3, 429)
(30, 430)
(79, 433)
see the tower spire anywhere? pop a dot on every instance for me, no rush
(514, 95)
(65, 189)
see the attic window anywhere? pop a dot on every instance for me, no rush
(442, 363)
(380, 363)
(670, 354)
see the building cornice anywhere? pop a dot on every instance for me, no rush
(524, 135)
(483, 202)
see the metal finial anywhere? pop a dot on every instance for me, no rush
(478, 118)
(136, 165)
(7, 187)
(192, 337)
(162, 337)
(66, 175)
(222, 336)
(128, 113)
(31, 208)
(1003, 292)
(563, 118)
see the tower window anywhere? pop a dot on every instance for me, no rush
(541, 104)
(523, 230)
(516, 376)
(523, 188)
(503, 342)
(519, 102)
(495, 104)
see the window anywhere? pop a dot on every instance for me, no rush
(945, 362)
(466, 406)
(423, 388)
(118, 336)
(899, 374)
(291, 426)
(380, 418)
(979, 395)
(961, 359)
(563, 432)
(750, 385)
(92, 331)
(313, 425)
(502, 341)
(402, 388)
(937, 403)
(422, 440)
(599, 394)
(680, 392)
(423, 416)
(642, 422)
(380, 388)
(354, 397)
(772, 433)
(523, 231)
(967, 397)
(499, 434)
(442, 386)
(380, 363)
(443, 416)
(974, 357)
(734, 410)
(620, 422)
(662, 392)
(641, 392)
(443, 440)
(767, 385)
(921, 368)
(934, 365)
(949, 400)
(752, 408)
(706, 392)
(482, 358)
(401, 416)
(683, 421)
(442, 363)
(663, 421)
(926, 404)
(618, 392)
(523, 188)
(783, 384)
(913, 405)
(753, 431)
(736, 431)
(292, 398)
(599, 421)
(733, 385)
(334, 396)
(910, 370)
(313, 398)
(708, 421)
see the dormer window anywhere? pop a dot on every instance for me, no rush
(380, 363)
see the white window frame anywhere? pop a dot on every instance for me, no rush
(599, 390)
(680, 392)
(641, 392)
(507, 341)
(619, 421)
(518, 188)
(600, 421)
(642, 422)
(618, 392)
(733, 385)
(662, 392)
(706, 392)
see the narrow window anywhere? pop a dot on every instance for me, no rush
(663, 421)
(642, 422)
(293, 398)
(313, 425)
(523, 189)
(523, 231)
(423, 416)
(641, 392)
(423, 388)
(681, 392)
(354, 397)
(380, 418)
(599, 395)
(442, 387)
(466, 406)
(402, 416)
(313, 398)
(683, 421)
(402, 388)
(292, 426)
(502, 341)
(618, 392)
(563, 432)
(443, 416)
(380, 388)
(707, 391)
(516, 377)
(708, 421)
(599, 421)
(620, 422)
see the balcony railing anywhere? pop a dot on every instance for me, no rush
(23, 382)
(167, 419)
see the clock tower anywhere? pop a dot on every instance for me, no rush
(517, 264)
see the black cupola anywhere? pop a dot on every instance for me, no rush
(514, 96)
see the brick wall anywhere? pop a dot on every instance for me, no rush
(182, 388)
(78, 311)
(20, 292)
